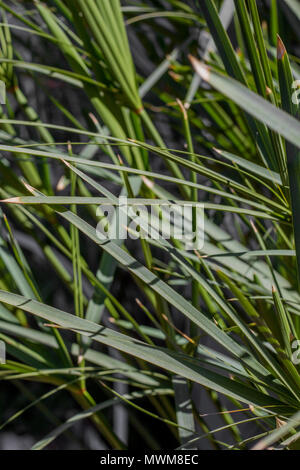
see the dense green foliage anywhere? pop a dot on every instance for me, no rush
(223, 320)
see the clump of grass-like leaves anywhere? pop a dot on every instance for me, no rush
(223, 320)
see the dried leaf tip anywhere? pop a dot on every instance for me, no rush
(279, 422)
(182, 109)
(268, 91)
(66, 163)
(94, 119)
(28, 187)
(120, 160)
(12, 200)
(62, 183)
(70, 150)
(253, 226)
(147, 182)
(281, 50)
(200, 68)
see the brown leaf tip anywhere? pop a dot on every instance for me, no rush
(147, 182)
(11, 200)
(182, 109)
(268, 91)
(200, 68)
(281, 50)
